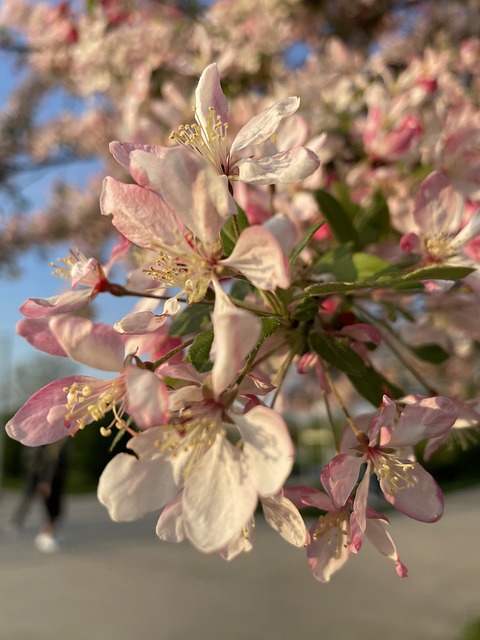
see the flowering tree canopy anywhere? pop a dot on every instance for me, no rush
(311, 246)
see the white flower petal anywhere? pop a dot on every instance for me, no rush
(130, 487)
(267, 448)
(287, 166)
(208, 95)
(218, 498)
(283, 516)
(236, 333)
(262, 126)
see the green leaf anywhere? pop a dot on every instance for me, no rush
(199, 352)
(305, 240)
(269, 326)
(368, 265)
(393, 280)
(338, 220)
(431, 353)
(306, 310)
(372, 386)
(228, 235)
(438, 272)
(190, 320)
(336, 352)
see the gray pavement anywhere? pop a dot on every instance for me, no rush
(118, 582)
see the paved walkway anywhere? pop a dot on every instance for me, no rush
(117, 582)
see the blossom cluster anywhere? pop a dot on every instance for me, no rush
(244, 289)
(393, 99)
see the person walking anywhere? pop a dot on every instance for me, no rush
(45, 475)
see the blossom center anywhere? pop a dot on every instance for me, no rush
(192, 275)
(393, 473)
(333, 528)
(93, 401)
(439, 247)
(191, 434)
(208, 141)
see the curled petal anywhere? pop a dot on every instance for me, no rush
(262, 126)
(63, 303)
(121, 151)
(170, 524)
(287, 166)
(382, 541)
(140, 322)
(209, 95)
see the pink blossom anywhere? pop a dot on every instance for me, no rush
(208, 138)
(88, 278)
(336, 533)
(182, 260)
(69, 404)
(404, 482)
(222, 478)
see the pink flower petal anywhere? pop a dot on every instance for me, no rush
(236, 333)
(423, 500)
(283, 516)
(36, 332)
(147, 397)
(340, 476)
(139, 214)
(140, 322)
(63, 303)
(259, 257)
(41, 420)
(438, 207)
(382, 541)
(428, 418)
(121, 151)
(329, 549)
(96, 345)
(170, 524)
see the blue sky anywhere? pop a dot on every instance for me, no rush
(36, 279)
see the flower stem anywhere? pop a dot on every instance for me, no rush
(171, 353)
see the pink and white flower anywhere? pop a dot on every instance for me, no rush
(221, 458)
(336, 534)
(64, 406)
(385, 448)
(207, 138)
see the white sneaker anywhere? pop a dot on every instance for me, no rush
(46, 543)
